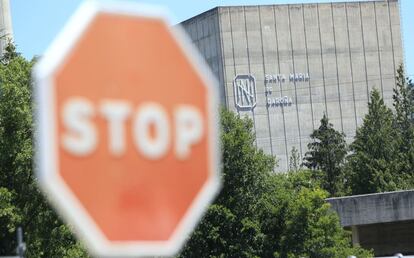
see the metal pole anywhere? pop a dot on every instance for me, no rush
(21, 246)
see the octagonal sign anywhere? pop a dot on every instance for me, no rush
(127, 130)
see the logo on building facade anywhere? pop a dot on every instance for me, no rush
(245, 91)
(245, 95)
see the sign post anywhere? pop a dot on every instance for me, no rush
(126, 130)
(21, 245)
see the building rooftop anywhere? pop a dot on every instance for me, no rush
(290, 4)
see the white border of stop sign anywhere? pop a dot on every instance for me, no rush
(46, 146)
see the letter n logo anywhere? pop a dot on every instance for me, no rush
(245, 91)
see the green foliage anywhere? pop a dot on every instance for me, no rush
(313, 230)
(382, 154)
(245, 168)
(403, 122)
(373, 164)
(403, 102)
(229, 228)
(298, 222)
(10, 52)
(223, 234)
(327, 153)
(294, 160)
(21, 203)
(261, 214)
(9, 218)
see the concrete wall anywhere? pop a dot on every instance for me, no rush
(388, 238)
(346, 48)
(6, 31)
(383, 222)
(374, 208)
(204, 31)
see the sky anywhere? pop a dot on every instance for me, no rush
(37, 22)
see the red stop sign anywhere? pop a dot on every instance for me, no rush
(127, 130)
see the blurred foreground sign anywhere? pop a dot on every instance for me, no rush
(127, 130)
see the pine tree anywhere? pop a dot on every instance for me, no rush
(403, 100)
(327, 153)
(404, 110)
(373, 163)
(294, 160)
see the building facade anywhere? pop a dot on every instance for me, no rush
(284, 66)
(6, 30)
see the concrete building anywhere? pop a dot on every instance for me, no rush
(6, 30)
(383, 222)
(284, 66)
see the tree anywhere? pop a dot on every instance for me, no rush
(313, 230)
(403, 101)
(245, 168)
(327, 153)
(294, 160)
(404, 110)
(9, 218)
(21, 203)
(297, 221)
(230, 227)
(373, 164)
(260, 214)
